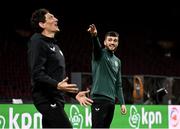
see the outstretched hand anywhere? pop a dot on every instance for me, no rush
(92, 30)
(66, 87)
(83, 100)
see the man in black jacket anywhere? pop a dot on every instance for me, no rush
(47, 68)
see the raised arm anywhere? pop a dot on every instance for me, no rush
(95, 40)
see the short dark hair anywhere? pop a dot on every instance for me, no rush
(112, 33)
(38, 16)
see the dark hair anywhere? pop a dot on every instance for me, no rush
(111, 33)
(38, 16)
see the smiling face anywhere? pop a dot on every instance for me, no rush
(111, 40)
(111, 43)
(43, 21)
(51, 23)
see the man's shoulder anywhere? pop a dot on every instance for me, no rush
(35, 36)
(36, 41)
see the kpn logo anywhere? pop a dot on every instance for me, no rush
(2, 122)
(80, 118)
(140, 118)
(24, 120)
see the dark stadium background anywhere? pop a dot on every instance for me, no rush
(149, 39)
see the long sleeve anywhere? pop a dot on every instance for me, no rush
(96, 47)
(37, 58)
(119, 89)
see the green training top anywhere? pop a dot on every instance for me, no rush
(106, 74)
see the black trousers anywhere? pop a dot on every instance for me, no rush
(102, 113)
(53, 115)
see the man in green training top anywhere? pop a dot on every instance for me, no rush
(107, 82)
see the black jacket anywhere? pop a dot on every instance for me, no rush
(47, 68)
